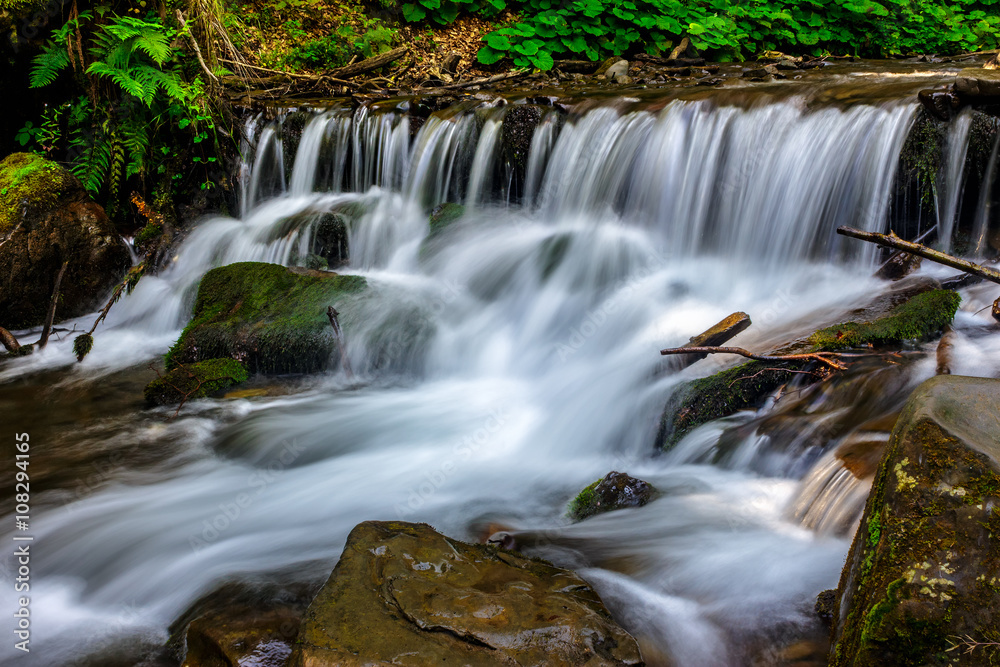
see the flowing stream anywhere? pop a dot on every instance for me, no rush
(501, 366)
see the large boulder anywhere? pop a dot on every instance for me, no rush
(270, 318)
(46, 218)
(404, 594)
(923, 574)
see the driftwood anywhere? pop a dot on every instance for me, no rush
(680, 49)
(345, 363)
(890, 240)
(713, 337)
(945, 352)
(828, 358)
(51, 315)
(8, 340)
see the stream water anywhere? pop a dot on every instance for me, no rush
(500, 367)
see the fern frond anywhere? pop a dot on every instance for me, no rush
(47, 64)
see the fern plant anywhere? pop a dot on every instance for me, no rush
(110, 143)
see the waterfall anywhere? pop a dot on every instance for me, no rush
(949, 181)
(501, 365)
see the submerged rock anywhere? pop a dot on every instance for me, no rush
(404, 594)
(924, 571)
(270, 318)
(196, 380)
(614, 491)
(46, 218)
(443, 216)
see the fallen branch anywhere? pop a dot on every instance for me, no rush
(822, 357)
(489, 79)
(366, 65)
(44, 340)
(890, 240)
(345, 363)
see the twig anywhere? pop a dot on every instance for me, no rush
(822, 357)
(890, 240)
(197, 49)
(345, 363)
(44, 340)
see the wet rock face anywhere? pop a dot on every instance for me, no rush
(241, 637)
(271, 319)
(925, 564)
(614, 491)
(46, 218)
(404, 594)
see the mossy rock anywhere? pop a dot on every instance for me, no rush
(405, 594)
(443, 216)
(919, 318)
(47, 218)
(614, 491)
(923, 573)
(271, 318)
(196, 380)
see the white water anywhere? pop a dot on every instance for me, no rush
(531, 369)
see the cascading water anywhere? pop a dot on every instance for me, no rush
(502, 365)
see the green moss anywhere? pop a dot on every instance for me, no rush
(443, 216)
(269, 317)
(28, 180)
(584, 504)
(706, 399)
(920, 318)
(195, 381)
(148, 233)
(921, 154)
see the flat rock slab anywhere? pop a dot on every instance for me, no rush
(924, 571)
(403, 594)
(978, 82)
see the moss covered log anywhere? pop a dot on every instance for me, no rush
(923, 573)
(196, 380)
(743, 387)
(271, 318)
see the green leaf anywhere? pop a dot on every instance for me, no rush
(498, 42)
(489, 56)
(542, 60)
